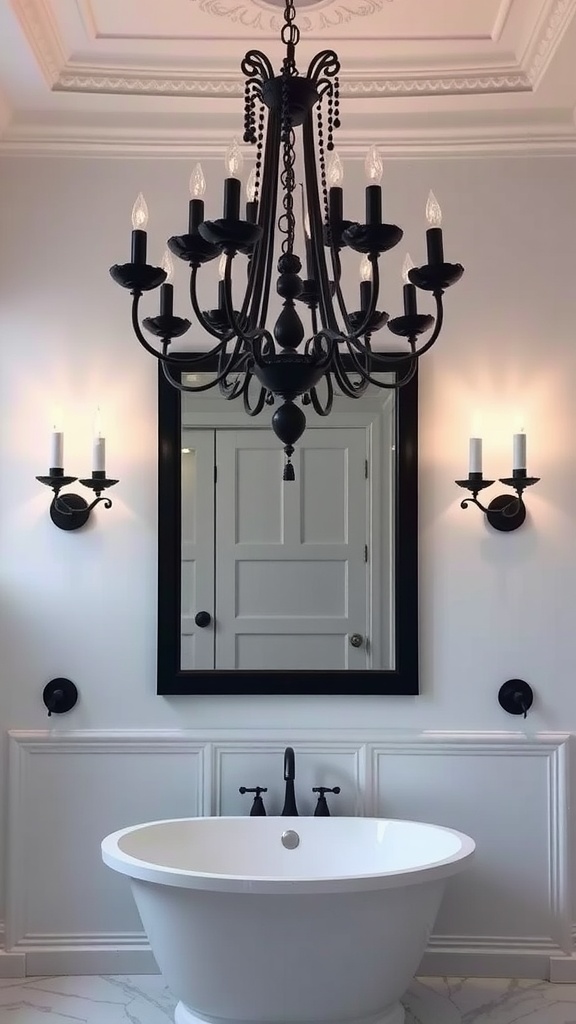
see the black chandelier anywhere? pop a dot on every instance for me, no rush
(287, 364)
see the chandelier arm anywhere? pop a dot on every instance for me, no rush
(402, 356)
(373, 356)
(245, 337)
(342, 379)
(231, 359)
(264, 252)
(233, 390)
(327, 314)
(252, 410)
(323, 410)
(374, 292)
(256, 67)
(163, 356)
(323, 66)
(223, 336)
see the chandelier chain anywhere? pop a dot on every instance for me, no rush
(287, 220)
(290, 33)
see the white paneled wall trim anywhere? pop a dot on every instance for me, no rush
(509, 915)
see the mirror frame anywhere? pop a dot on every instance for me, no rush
(173, 680)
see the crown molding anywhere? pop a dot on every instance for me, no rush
(547, 36)
(42, 35)
(229, 83)
(509, 138)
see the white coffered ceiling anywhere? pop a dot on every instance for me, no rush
(418, 76)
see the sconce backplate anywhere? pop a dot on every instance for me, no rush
(502, 521)
(73, 519)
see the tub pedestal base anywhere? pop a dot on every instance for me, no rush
(393, 1015)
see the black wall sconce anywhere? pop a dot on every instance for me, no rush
(505, 512)
(71, 511)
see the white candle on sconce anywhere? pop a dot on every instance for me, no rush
(99, 447)
(475, 455)
(57, 441)
(519, 451)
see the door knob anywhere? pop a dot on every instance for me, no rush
(356, 639)
(202, 619)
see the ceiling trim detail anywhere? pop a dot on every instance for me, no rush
(41, 32)
(534, 138)
(43, 37)
(443, 84)
(547, 36)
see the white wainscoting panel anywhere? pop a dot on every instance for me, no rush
(67, 792)
(511, 795)
(508, 915)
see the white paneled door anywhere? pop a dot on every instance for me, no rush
(290, 575)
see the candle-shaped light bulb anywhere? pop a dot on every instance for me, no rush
(197, 182)
(167, 289)
(197, 188)
(335, 171)
(365, 269)
(99, 446)
(407, 266)
(221, 273)
(139, 213)
(139, 222)
(433, 211)
(434, 242)
(374, 166)
(234, 159)
(251, 192)
(251, 186)
(168, 266)
(409, 290)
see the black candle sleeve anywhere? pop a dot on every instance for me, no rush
(365, 292)
(435, 246)
(410, 302)
(221, 296)
(231, 199)
(373, 204)
(167, 300)
(252, 211)
(335, 206)
(138, 255)
(195, 215)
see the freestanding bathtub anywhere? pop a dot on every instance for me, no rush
(300, 920)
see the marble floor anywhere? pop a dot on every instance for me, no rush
(140, 999)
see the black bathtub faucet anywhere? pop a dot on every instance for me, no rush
(289, 809)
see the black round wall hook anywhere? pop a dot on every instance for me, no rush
(516, 697)
(59, 696)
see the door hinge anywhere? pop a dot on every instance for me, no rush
(365, 552)
(366, 468)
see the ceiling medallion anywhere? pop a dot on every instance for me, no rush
(319, 14)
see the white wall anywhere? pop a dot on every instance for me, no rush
(492, 605)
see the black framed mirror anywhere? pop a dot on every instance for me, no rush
(245, 618)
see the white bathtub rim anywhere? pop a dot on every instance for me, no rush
(186, 878)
